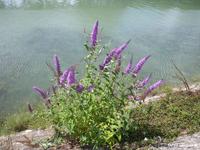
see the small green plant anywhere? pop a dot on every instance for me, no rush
(16, 122)
(23, 120)
(94, 110)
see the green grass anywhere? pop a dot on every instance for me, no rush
(23, 120)
(174, 115)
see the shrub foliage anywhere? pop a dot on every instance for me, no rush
(96, 108)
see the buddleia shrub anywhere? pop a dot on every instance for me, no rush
(95, 109)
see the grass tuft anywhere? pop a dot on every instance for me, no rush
(176, 114)
(23, 120)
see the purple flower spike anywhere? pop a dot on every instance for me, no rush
(153, 87)
(116, 53)
(137, 98)
(128, 68)
(91, 88)
(65, 74)
(142, 83)
(112, 52)
(71, 77)
(101, 67)
(41, 92)
(120, 49)
(56, 62)
(30, 108)
(79, 88)
(140, 64)
(130, 97)
(63, 78)
(94, 34)
(105, 62)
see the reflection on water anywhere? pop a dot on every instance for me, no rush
(29, 36)
(184, 4)
(39, 3)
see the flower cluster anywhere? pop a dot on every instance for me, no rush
(67, 78)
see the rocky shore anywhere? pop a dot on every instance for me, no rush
(30, 139)
(34, 139)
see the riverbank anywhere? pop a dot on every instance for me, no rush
(160, 120)
(28, 140)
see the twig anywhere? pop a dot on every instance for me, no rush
(181, 76)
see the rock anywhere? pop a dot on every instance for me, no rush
(26, 140)
(186, 142)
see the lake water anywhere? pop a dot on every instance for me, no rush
(32, 31)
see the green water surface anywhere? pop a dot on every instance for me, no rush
(33, 31)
